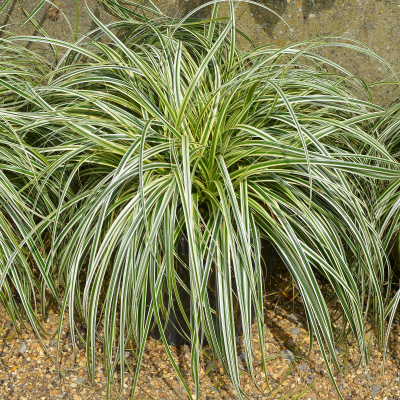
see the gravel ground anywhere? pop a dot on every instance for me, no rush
(28, 372)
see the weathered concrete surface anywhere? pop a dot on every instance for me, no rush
(12, 18)
(375, 23)
(372, 22)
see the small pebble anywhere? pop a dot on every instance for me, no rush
(338, 350)
(211, 366)
(295, 331)
(287, 355)
(375, 389)
(293, 318)
(303, 367)
(22, 348)
(291, 343)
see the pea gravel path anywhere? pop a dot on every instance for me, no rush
(27, 372)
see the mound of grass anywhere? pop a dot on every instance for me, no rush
(154, 128)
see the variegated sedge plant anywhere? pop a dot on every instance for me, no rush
(153, 126)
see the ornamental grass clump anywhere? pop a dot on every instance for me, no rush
(153, 128)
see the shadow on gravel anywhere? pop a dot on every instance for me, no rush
(263, 17)
(4, 24)
(186, 6)
(268, 20)
(315, 6)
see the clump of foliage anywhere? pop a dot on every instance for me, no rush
(155, 127)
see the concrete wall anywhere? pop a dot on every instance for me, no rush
(375, 23)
